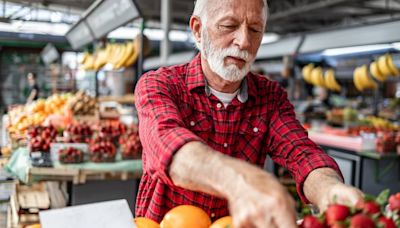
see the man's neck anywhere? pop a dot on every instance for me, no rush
(216, 82)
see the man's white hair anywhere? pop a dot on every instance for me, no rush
(200, 10)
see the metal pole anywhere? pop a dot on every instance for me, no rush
(141, 55)
(166, 25)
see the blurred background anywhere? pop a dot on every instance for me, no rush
(338, 60)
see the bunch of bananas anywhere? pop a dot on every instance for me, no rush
(384, 67)
(118, 55)
(362, 80)
(316, 77)
(380, 123)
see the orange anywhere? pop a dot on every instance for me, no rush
(33, 226)
(224, 222)
(143, 222)
(186, 216)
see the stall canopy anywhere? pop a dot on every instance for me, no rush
(363, 35)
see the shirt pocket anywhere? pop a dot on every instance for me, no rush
(200, 125)
(251, 143)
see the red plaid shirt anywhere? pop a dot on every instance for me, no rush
(175, 106)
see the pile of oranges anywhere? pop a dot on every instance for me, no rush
(185, 216)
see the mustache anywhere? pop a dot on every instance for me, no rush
(237, 53)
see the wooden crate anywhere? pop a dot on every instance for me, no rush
(26, 202)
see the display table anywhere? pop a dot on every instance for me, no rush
(366, 169)
(20, 166)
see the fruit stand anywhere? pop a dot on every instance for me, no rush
(63, 140)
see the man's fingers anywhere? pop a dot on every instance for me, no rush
(285, 220)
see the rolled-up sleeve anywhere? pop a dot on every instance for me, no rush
(161, 127)
(290, 146)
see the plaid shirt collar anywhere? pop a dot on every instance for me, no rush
(195, 78)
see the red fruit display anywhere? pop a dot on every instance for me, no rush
(385, 142)
(394, 202)
(70, 155)
(40, 138)
(380, 212)
(112, 131)
(131, 148)
(311, 222)
(79, 133)
(361, 221)
(102, 150)
(368, 207)
(336, 213)
(385, 222)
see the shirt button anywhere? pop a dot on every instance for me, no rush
(219, 105)
(255, 129)
(225, 145)
(192, 123)
(212, 215)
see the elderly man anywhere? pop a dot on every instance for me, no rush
(208, 125)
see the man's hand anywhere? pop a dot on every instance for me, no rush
(256, 199)
(324, 186)
(341, 194)
(260, 201)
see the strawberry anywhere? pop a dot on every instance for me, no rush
(361, 221)
(336, 213)
(385, 222)
(394, 202)
(368, 207)
(311, 222)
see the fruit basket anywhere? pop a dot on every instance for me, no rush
(79, 133)
(70, 155)
(40, 138)
(102, 150)
(112, 131)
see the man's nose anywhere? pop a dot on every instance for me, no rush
(242, 38)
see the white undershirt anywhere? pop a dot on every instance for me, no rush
(225, 98)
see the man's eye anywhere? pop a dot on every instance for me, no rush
(255, 30)
(228, 26)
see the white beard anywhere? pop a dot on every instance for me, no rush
(215, 57)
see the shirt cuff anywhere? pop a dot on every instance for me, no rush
(315, 163)
(173, 141)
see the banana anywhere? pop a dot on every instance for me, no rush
(366, 80)
(376, 73)
(330, 81)
(116, 52)
(317, 77)
(84, 58)
(383, 66)
(392, 67)
(89, 63)
(101, 58)
(128, 52)
(356, 80)
(306, 71)
(135, 53)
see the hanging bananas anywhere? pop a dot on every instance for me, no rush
(330, 81)
(306, 72)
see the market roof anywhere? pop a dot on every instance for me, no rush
(286, 16)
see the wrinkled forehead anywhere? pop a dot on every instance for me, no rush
(219, 8)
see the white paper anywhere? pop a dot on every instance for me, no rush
(108, 214)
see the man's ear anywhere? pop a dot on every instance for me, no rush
(195, 26)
